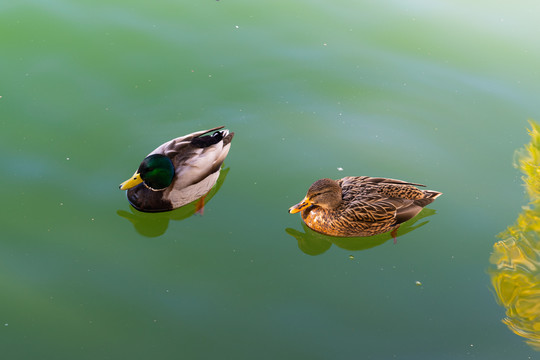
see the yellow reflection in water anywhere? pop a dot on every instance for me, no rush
(516, 258)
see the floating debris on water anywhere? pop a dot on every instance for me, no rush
(351, 257)
(418, 283)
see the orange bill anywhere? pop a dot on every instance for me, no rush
(302, 205)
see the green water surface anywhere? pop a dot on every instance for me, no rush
(435, 92)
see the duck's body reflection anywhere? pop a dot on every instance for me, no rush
(314, 243)
(156, 224)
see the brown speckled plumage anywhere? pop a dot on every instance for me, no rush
(366, 205)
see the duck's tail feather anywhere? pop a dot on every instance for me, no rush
(430, 196)
(408, 212)
(203, 140)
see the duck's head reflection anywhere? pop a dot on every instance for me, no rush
(515, 270)
(314, 243)
(156, 224)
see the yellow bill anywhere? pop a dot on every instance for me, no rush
(131, 182)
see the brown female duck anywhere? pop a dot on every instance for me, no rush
(361, 205)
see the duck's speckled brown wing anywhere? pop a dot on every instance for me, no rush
(370, 206)
(363, 186)
(369, 209)
(379, 204)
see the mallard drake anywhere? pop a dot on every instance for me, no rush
(361, 205)
(179, 171)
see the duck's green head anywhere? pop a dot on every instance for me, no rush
(156, 172)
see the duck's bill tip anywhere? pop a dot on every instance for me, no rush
(304, 204)
(293, 210)
(131, 182)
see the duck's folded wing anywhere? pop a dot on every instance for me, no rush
(198, 163)
(196, 156)
(395, 211)
(379, 180)
(179, 144)
(399, 191)
(361, 211)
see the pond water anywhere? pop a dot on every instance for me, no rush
(434, 92)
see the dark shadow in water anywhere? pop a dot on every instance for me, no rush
(156, 224)
(314, 243)
(515, 270)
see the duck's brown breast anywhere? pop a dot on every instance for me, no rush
(331, 223)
